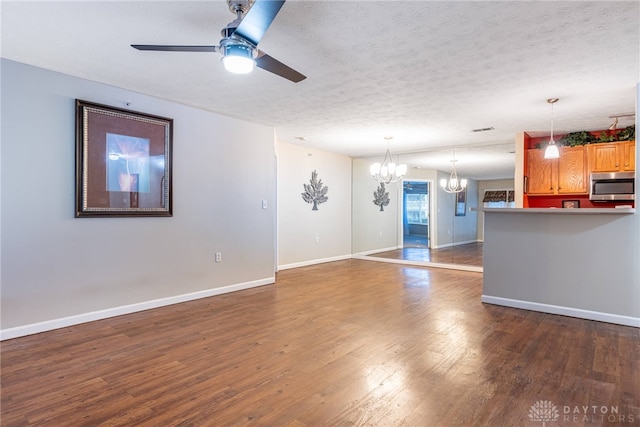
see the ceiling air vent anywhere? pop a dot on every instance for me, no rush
(482, 129)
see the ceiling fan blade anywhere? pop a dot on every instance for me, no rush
(257, 20)
(174, 48)
(274, 66)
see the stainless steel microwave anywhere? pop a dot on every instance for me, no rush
(612, 186)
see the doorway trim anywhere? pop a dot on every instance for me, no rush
(430, 228)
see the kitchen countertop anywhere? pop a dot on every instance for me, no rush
(562, 211)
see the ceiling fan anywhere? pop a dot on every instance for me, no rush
(240, 38)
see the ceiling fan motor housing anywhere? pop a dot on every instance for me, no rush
(235, 45)
(230, 28)
(240, 6)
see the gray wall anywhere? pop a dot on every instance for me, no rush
(577, 262)
(451, 229)
(492, 184)
(54, 265)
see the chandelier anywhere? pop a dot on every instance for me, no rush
(453, 184)
(388, 171)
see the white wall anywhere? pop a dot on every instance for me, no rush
(306, 236)
(373, 229)
(55, 266)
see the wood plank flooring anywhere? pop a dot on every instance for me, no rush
(468, 254)
(349, 343)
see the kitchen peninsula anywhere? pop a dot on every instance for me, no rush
(582, 262)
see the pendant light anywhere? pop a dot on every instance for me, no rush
(552, 152)
(453, 184)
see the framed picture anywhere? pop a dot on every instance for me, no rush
(123, 162)
(571, 204)
(461, 203)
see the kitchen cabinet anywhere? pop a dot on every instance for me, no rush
(539, 175)
(572, 171)
(612, 157)
(565, 175)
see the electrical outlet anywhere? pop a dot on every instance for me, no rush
(218, 256)
(317, 240)
(264, 204)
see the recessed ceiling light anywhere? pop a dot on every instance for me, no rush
(482, 129)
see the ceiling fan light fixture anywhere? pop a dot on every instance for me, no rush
(238, 58)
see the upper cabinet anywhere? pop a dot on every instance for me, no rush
(565, 175)
(612, 157)
(540, 175)
(569, 173)
(548, 183)
(572, 171)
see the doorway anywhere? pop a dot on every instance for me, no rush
(416, 213)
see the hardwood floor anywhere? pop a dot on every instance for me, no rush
(349, 343)
(468, 254)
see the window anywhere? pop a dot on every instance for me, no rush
(417, 208)
(499, 199)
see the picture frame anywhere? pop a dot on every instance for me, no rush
(123, 162)
(571, 204)
(461, 202)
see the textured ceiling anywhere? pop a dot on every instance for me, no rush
(424, 72)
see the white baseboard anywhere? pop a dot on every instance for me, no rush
(313, 262)
(564, 311)
(448, 245)
(420, 263)
(63, 322)
(376, 251)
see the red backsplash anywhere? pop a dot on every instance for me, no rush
(556, 202)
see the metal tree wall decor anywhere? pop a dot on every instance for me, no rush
(381, 197)
(315, 192)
